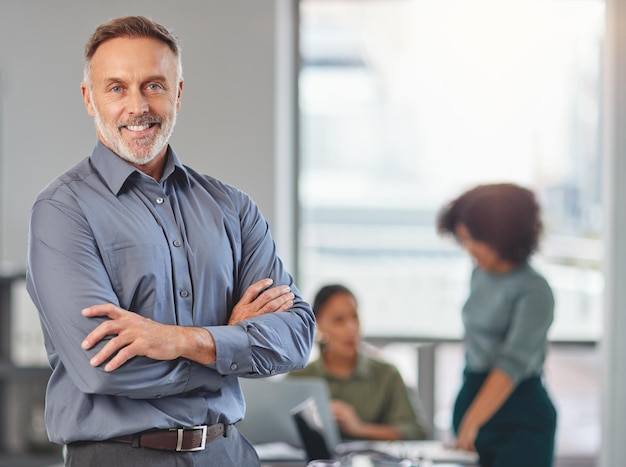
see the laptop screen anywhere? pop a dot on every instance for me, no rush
(308, 420)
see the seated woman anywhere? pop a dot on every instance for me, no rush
(369, 397)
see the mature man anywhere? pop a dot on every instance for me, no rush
(157, 287)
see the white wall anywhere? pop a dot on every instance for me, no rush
(226, 126)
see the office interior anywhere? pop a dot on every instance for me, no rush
(238, 122)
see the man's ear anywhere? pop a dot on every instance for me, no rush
(179, 95)
(87, 98)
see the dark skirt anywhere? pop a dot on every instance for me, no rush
(521, 433)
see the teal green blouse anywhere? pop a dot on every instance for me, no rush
(506, 319)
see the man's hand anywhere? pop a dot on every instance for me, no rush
(134, 335)
(258, 299)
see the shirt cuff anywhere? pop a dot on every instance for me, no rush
(514, 371)
(232, 350)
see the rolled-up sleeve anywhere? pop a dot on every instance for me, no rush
(526, 340)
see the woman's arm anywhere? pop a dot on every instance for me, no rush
(352, 425)
(494, 392)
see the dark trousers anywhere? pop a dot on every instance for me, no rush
(227, 451)
(521, 433)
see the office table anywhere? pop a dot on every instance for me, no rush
(373, 454)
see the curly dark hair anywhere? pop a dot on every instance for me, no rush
(326, 292)
(505, 216)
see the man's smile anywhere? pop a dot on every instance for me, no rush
(139, 127)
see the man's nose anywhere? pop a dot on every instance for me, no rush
(137, 103)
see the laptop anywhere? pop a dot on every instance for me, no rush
(291, 419)
(269, 405)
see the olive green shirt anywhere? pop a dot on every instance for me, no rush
(375, 390)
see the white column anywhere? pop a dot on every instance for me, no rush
(613, 449)
(286, 165)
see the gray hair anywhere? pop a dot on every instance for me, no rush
(131, 27)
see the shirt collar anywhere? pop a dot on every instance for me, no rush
(114, 170)
(361, 370)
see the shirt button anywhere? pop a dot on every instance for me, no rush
(233, 366)
(176, 242)
(184, 293)
(160, 200)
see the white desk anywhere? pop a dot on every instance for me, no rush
(373, 454)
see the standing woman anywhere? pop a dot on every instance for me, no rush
(502, 409)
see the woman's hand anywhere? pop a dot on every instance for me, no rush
(351, 424)
(494, 392)
(467, 437)
(347, 419)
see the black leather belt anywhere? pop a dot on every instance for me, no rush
(193, 438)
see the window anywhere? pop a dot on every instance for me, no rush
(404, 104)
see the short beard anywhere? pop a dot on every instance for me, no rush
(150, 147)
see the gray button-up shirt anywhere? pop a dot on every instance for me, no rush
(180, 251)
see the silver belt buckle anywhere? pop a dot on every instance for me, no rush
(181, 431)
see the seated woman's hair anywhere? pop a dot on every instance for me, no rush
(505, 216)
(326, 292)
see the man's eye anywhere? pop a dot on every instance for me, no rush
(154, 87)
(116, 88)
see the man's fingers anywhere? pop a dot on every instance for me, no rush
(285, 306)
(118, 355)
(274, 296)
(121, 357)
(126, 335)
(105, 309)
(106, 352)
(104, 329)
(258, 299)
(253, 291)
(99, 333)
(281, 303)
